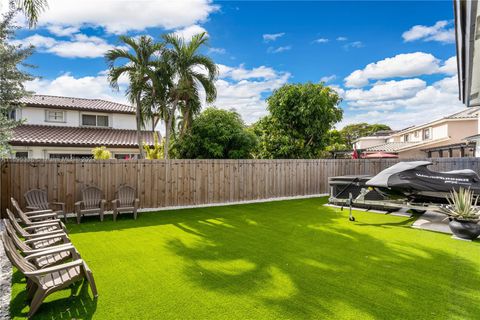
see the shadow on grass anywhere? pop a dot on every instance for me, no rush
(308, 266)
(73, 303)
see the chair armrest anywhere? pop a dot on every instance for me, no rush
(49, 237)
(41, 225)
(78, 205)
(136, 203)
(59, 204)
(46, 216)
(102, 204)
(60, 267)
(51, 250)
(32, 208)
(32, 251)
(35, 236)
(37, 212)
(115, 203)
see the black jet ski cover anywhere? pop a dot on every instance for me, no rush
(414, 177)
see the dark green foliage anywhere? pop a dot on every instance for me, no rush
(217, 134)
(12, 78)
(300, 117)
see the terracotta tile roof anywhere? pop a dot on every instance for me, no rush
(38, 135)
(76, 104)
(391, 146)
(467, 113)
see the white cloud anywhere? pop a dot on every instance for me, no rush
(402, 65)
(321, 40)
(188, 32)
(353, 44)
(217, 50)
(449, 66)
(244, 89)
(121, 16)
(96, 87)
(420, 103)
(384, 92)
(247, 96)
(272, 36)
(62, 31)
(342, 38)
(79, 46)
(439, 32)
(279, 49)
(327, 79)
(241, 73)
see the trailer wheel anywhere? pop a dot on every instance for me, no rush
(415, 211)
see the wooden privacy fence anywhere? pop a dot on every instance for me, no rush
(162, 183)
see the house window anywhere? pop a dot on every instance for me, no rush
(69, 156)
(21, 155)
(426, 134)
(12, 114)
(405, 138)
(125, 156)
(55, 116)
(416, 134)
(94, 120)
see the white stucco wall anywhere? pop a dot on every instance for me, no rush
(440, 131)
(43, 152)
(37, 116)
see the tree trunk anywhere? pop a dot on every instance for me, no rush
(168, 128)
(138, 116)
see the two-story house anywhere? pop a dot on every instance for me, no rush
(445, 137)
(64, 127)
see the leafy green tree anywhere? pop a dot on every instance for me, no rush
(300, 118)
(138, 68)
(354, 131)
(186, 66)
(217, 134)
(12, 78)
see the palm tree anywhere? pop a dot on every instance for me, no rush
(188, 69)
(30, 8)
(138, 67)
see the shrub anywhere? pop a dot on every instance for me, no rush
(101, 153)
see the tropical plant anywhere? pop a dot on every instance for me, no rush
(157, 151)
(462, 205)
(12, 78)
(188, 71)
(30, 8)
(101, 153)
(217, 134)
(138, 67)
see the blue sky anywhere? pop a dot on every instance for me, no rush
(388, 60)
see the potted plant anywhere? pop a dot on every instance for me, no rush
(463, 213)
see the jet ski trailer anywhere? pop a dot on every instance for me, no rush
(409, 185)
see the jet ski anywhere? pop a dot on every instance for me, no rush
(416, 183)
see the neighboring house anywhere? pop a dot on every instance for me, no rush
(376, 139)
(467, 36)
(64, 127)
(445, 137)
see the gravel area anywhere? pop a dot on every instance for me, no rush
(5, 281)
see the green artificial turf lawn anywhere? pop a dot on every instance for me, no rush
(278, 260)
